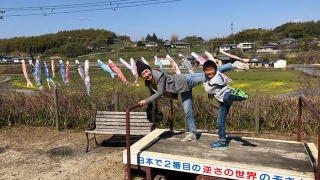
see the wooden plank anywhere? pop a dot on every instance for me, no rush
(110, 122)
(113, 131)
(124, 127)
(314, 150)
(145, 141)
(121, 113)
(122, 120)
(112, 116)
(121, 124)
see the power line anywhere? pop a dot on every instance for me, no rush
(121, 4)
(61, 6)
(67, 6)
(113, 5)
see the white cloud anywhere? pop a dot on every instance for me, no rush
(297, 20)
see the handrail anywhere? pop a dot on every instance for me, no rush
(316, 113)
(128, 175)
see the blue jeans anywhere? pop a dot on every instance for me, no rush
(224, 107)
(192, 81)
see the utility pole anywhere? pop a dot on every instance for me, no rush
(231, 28)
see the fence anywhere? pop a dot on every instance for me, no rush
(316, 113)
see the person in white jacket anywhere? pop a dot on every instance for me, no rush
(217, 87)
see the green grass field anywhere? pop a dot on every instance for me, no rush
(267, 82)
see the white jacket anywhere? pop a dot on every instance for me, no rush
(217, 86)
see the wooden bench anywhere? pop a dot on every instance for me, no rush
(110, 122)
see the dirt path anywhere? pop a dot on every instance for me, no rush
(40, 153)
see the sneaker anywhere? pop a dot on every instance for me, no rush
(241, 65)
(189, 137)
(239, 93)
(219, 144)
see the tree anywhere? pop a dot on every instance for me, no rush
(174, 38)
(148, 38)
(124, 38)
(154, 37)
(193, 38)
(141, 43)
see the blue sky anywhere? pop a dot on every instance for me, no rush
(204, 18)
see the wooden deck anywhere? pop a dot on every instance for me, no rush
(245, 158)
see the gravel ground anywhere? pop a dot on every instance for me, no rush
(41, 153)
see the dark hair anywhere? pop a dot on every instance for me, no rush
(208, 64)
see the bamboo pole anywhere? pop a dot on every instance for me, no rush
(56, 109)
(257, 113)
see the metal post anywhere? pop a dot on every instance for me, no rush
(318, 166)
(116, 100)
(257, 113)
(317, 114)
(299, 120)
(56, 109)
(171, 115)
(128, 173)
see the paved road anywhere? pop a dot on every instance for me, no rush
(313, 70)
(7, 78)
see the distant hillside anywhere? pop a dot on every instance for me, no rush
(301, 31)
(80, 42)
(68, 43)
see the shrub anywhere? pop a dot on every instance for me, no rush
(76, 110)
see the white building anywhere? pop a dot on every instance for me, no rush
(227, 47)
(245, 46)
(151, 44)
(280, 63)
(163, 60)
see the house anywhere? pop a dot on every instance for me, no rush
(222, 59)
(7, 59)
(180, 45)
(271, 44)
(254, 63)
(151, 44)
(195, 63)
(167, 44)
(246, 46)
(203, 43)
(288, 42)
(314, 41)
(227, 47)
(15, 59)
(163, 60)
(280, 63)
(265, 64)
(268, 48)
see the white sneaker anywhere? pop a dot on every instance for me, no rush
(189, 137)
(241, 65)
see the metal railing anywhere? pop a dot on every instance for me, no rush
(128, 167)
(128, 172)
(316, 113)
